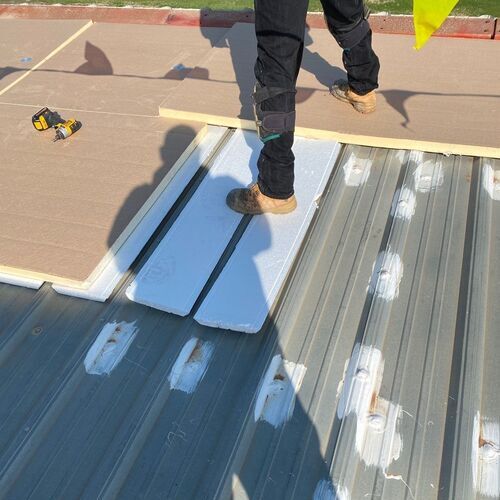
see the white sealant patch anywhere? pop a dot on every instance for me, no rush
(404, 203)
(362, 379)
(486, 456)
(378, 440)
(109, 348)
(382, 442)
(325, 490)
(386, 276)
(429, 175)
(191, 365)
(491, 181)
(357, 170)
(279, 387)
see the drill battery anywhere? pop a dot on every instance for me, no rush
(45, 119)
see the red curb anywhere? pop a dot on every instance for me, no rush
(209, 18)
(461, 27)
(316, 20)
(96, 14)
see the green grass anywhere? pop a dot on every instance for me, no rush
(464, 7)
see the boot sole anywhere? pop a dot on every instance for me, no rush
(359, 107)
(289, 208)
(284, 209)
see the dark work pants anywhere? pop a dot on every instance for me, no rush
(280, 27)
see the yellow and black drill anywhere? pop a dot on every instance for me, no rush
(64, 130)
(45, 119)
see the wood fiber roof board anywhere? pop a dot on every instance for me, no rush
(65, 206)
(117, 68)
(444, 98)
(24, 43)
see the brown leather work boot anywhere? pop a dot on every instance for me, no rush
(251, 201)
(362, 103)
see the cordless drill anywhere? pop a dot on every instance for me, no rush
(45, 119)
(64, 130)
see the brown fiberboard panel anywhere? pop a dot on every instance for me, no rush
(24, 43)
(66, 206)
(116, 68)
(445, 98)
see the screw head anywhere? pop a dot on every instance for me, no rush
(377, 422)
(384, 274)
(37, 330)
(362, 374)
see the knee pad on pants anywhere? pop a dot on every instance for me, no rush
(271, 124)
(351, 38)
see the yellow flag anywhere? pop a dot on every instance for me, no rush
(428, 16)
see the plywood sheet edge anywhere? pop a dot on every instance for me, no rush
(360, 140)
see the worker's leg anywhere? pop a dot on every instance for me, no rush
(346, 22)
(279, 26)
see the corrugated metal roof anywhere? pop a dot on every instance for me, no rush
(67, 434)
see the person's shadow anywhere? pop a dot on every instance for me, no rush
(261, 347)
(243, 68)
(96, 62)
(179, 137)
(9, 70)
(319, 67)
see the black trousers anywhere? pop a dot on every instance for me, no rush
(280, 28)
